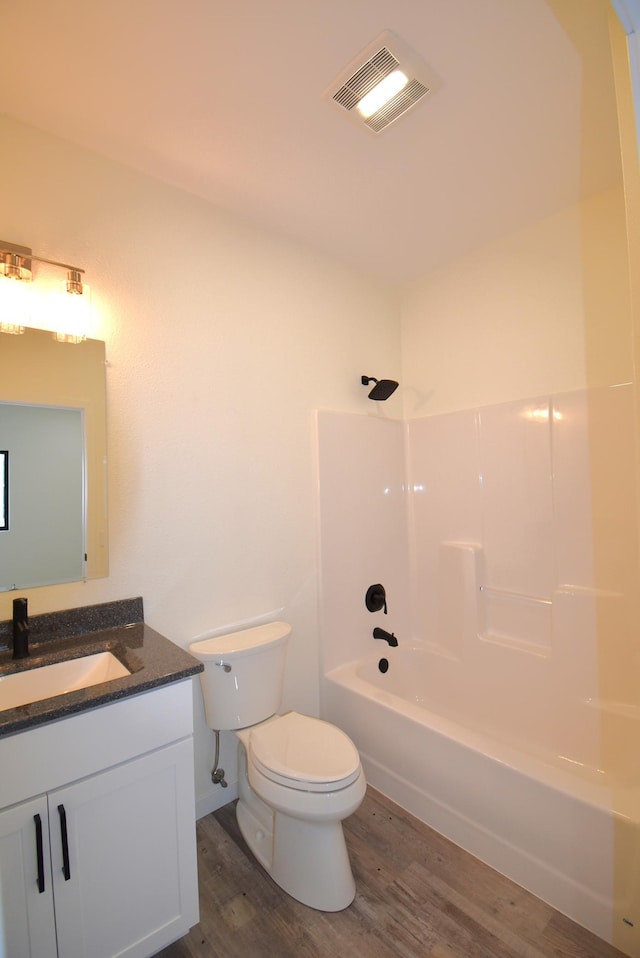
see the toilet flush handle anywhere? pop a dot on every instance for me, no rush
(223, 665)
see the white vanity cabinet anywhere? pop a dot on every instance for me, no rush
(97, 832)
(27, 921)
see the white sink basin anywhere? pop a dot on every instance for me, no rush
(33, 685)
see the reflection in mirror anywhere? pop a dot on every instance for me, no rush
(53, 426)
(44, 543)
(4, 490)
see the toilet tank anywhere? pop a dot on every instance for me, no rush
(243, 674)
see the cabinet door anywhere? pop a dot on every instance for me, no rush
(123, 857)
(27, 925)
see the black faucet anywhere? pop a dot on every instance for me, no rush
(381, 634)
(20, 629)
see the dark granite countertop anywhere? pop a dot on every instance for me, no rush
(117, 627)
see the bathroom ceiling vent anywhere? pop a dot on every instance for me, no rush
(383, 83)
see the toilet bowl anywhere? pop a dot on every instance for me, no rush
(298, 776)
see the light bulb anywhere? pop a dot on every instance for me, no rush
(382, 93)
(14, 304)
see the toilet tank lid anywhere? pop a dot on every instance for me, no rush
(245, 642)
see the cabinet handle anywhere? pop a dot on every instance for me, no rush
(39, 852)
(66, 869)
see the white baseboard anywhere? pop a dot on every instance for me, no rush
(215, 799)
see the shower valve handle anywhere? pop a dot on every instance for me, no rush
(376, 598)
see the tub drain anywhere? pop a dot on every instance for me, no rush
(383, 665)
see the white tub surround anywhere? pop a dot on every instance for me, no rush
(506, 540)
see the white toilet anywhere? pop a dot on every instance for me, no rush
(298, 777)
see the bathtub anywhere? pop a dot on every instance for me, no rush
(548, 821)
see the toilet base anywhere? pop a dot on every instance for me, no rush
(308, 860)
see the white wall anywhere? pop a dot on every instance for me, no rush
(221, 340)
(542, 311)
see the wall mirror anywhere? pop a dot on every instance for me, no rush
(53, 517)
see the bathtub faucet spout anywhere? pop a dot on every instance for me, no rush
(381, 634)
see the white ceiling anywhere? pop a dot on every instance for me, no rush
(226, 98)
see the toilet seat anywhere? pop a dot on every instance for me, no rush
(304, 753)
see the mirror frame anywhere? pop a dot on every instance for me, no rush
(36, 369)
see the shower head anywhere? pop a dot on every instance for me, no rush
(382, 389)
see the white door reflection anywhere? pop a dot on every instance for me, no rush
(4, 490)
(44, 538)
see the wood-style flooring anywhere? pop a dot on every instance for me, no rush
(418, 896)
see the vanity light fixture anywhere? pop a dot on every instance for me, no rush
(15, 279)
(15, 268)
(380, 85)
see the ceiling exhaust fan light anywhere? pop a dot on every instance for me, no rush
(382, 93)
(383, 83)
